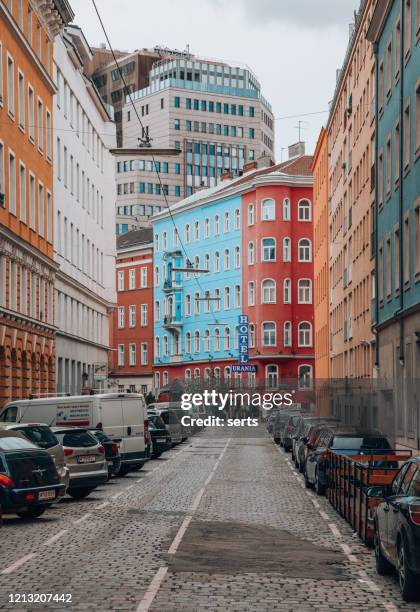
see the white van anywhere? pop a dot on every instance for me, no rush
(122, 416)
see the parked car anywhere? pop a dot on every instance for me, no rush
(161, 438)
(42, 436)
(271, 419)
(277, 425)
(308, 433)
(112, 453)
(301, 421)
(397, 530)
(119, 415)
(85, 458)
(29, 481)
(288, 431)
(172, 424)
(343, 440)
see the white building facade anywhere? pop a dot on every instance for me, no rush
(84, 240)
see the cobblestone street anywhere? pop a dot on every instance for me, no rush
(218, 523)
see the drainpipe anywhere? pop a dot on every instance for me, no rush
(375, 206)
(401, 199)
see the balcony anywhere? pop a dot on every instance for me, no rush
(172, 322)
(171, 286)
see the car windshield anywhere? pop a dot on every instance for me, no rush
(15, 443)
(359, 443)
(76, 439)
(41, 435)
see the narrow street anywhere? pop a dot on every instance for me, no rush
(218, 523)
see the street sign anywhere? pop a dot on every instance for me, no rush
(100, 371)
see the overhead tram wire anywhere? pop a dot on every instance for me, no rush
(149, 139)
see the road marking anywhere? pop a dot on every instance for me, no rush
(152, 590)
(324, 515)
(197, 500)
(180, 534)
(18, 563)
(366, 580)
(82, 518)
(102, 505)
(335, 530)
(55, 537)
(315, 503)
(129, 487)
(346, 548)
(117, 495)
(390, 607)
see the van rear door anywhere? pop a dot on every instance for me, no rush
(110, 414)
(133, 413)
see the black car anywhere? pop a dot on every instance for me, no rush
(112, 451)
(29, 481)
(397, 530)
(161, 438)
(345, 441)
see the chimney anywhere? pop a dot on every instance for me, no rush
(296, 150)
(264, 161)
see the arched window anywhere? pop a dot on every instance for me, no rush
(236, 337)
(286, 209)
(175, 237)
(156, 243)
(227, 339)
(272, 375)
(196, 341)
(196, 373)
(268, 249)
(251, 335)
(237, 218)
(187, 233)
(269, 333)
(227, 259)
(305, 291)
(217, 339)
(227, 374)
(216, 225)
(164, 240)
(227, 222)
(165, 379)
(251, 293)
(196, 231)
(187, 305)
(305, 334)
(237, 257)
(237, 296)
(287, 333)
(304, 210)
(207, 375)
(187, 375)
(268, 210)
(165, 346)
(287, 291)
(207, 341)
(305, 376)
(157, 346)
(206, 228)
(287, 249)
(251, 253)
(188, 342)
(217, 375)
(196, 303)
(207, 301)
(176, 344)
(251, 214)
(227, 298)
(268, 291)
(157, 277)
(217, 261)
(216, 299)
(305, 250)
(207, 262)
(196, 262)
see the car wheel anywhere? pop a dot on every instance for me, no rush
(308, 484)
(319, 488)
(32, 513)
(79, 493)
(301, 467)
(383, 566)
(407, 579)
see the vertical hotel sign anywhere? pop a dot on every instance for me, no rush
(243, 344)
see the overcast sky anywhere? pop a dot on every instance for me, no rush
(293, 46)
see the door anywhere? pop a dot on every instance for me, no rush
(311, 461)
(110, 415)
(133, 415)
(394, 514)
(384, 511)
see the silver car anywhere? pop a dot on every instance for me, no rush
(42, 435)
(172, 424)
(85, 459)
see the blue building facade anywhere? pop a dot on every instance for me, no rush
(394, 31)
(196, 314)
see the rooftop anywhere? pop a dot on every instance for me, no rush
(137, 237)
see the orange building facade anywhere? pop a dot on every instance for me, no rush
(27, 269)
(321, 256)
(351, 145)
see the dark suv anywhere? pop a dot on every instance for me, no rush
(397, 530)
(29, 481)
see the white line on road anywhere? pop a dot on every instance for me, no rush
(324, 515)
(152, 590)
(364, 579)
(315, 503)
(55, 537)
(129, 487)
(335, 530)
(117, 495)
(102, 505)
(18, 563)
(177, 540)
(82, 518)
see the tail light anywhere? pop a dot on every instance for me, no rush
(101, 449)
(114, 448)
(30, 497)
(6, 481)
(68, 452)
(99, 426)
(415, 513)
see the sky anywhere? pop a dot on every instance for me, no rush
(293, 46)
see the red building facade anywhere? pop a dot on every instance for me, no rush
(132, 321)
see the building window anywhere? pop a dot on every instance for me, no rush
(216, 225)
(10, 85)
(251, 335)
(187, 233)
(268, 249)
(144, 353)
(196, 303)
(251, 253)
(251, 293)
(287, 249)
(407, 28)
(268, 291)
(132, 316)
(407, 135)
(12, 183)
(165, 346)
(121, 355)
(227, 298)
(305, 376)
(196, 341)
(157, 276)
(157, 346)
(120, 281)
(216, 261)
(237, 219)
(188, 342)
(304, 210)
(237, 296)
(251, 214)
(227, 222)
(143, 278)
(226, 344)
(144, 308)
(305, 291)
(237, 257)
(287, 291)
(286, 209)
(132, 354)
(217, 339)
(269, 333)
(287, 333)
(268, 210)
(121, 316)
(206, 228)
(207, 341)
(305, 250)
(305, 334)
(132, 278)
(272, 375)
(227, 259)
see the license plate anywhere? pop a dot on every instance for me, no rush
(46, 495)
(160, 439)
(86, 459)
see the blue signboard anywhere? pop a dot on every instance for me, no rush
(244, 368)
(243, 329)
